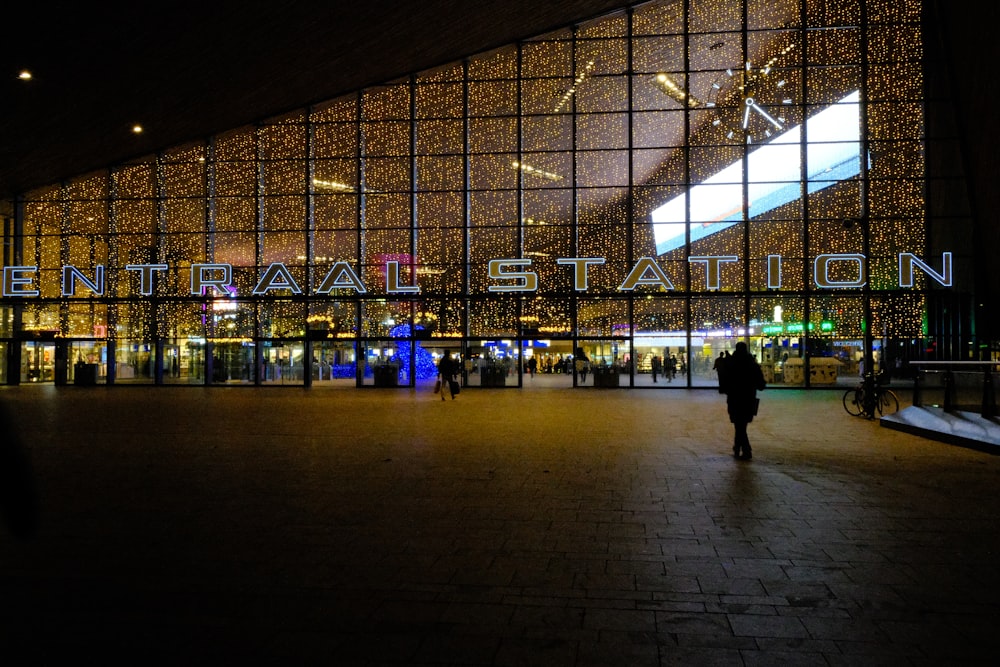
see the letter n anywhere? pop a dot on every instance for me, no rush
(908, 260)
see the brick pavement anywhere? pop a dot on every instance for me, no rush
(508, 527)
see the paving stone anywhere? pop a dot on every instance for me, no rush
(556, 527)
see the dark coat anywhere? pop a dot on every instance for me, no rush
(740, 380)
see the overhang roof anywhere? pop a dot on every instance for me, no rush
(186, 70)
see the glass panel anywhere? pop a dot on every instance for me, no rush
(386, 363)
(184, 361)
(334, 364)
(37, 361)
(659, 333)
(602, 363)
(134, 362)
(776, 329)
(88, 362)
(492, 363)
(282, 362)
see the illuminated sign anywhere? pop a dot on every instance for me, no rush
(508, 275)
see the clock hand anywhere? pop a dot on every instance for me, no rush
(765, 115)
(746, 114)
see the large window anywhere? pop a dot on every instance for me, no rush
(668, 179)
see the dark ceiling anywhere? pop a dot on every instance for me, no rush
(186, 70)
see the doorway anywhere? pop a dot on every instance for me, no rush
(38, 361)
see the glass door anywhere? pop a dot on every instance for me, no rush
(334, 363)
(386, 363)
(88, 362)
(38, 361)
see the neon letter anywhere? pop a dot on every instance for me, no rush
(712, 268)
(276, 276)
(636, 276)
(70, 274)
(907, 260)
(580, 270)
(201, 278)
(341, 276)
(392, 285)
(145, 275)
(525, 281)
(15, 281)
(821, 271)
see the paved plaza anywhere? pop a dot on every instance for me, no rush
(534, 526)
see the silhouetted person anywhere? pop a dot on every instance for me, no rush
(447, 370)
(17, 488)
(741, 379)
(719, 367)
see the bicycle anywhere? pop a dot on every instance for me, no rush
(877, 401)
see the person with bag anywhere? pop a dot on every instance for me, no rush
(741, 379)
(447, 369)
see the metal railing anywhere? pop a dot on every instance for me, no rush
(971, 378)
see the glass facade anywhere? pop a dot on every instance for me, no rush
(633, 193)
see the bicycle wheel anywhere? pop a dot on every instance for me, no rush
(852, 402)
(888, 402)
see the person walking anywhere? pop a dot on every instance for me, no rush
(741, 378)
(447, 369)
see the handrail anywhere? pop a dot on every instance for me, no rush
(988, 407)
(955, 363)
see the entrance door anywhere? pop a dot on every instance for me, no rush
(38, 361)
(334, 363)
(386, 363)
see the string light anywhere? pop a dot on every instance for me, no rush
(385, 173)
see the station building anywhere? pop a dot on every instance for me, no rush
(652, 185)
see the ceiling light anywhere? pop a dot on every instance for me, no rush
(672, 90)
(576, 84)
(137, 129)
(24, 75)
(332, 185)
(528, 169)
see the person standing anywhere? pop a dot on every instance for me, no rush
(656, 367)
(719, 367)
(741, 378)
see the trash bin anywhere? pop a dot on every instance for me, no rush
(386, 375)
(85, 374)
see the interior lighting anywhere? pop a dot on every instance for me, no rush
(528, 169)
(24, 75)
(332, 185)
(137, 129)
(673, 91)
(833, 153)
(568, 95)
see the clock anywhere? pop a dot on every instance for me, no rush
(750, 103)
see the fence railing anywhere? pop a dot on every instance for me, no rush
(961, 385)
